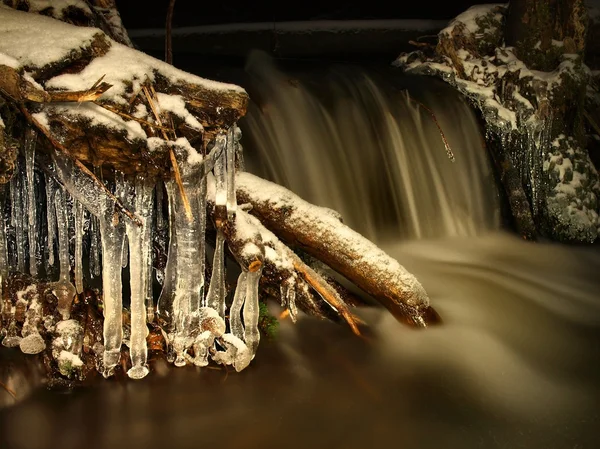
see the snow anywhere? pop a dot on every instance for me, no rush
(58, 6)
(470, 17)
(68, 358)
(97, 116)
(36, 41)
(176, 105)
(8, 61)
(121, 66)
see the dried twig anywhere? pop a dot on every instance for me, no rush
(8, 390)
(184, 198)
(420, 44)
(130, 117)
(327, 292)
(81, 166)
(169, 34)
(446, 144)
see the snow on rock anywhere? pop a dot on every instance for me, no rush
(471, 19)
(58, 7)
(505, 90)
(176, 105)
(9, 61)
(95, 115)
(126, 69)
(36, 41)
(573, 200)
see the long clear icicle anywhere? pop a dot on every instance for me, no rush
(220, 172)
(17, 218)
(230, 156)
(140, 264)
(3, 253)
(239, 150)
(182, 293)
(202, 235)
(112, 232)
(50, 218)
(215, 298)
(78, 246)
(216, 292)
(29, 149)
(235, 313)
(63, 289)
(251, 312)
(95, 248)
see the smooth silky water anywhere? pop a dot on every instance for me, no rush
(515, 364)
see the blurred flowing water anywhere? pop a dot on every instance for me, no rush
(515, 364)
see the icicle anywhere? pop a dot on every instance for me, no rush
(182, 294)
(165, 300)
(125, 259)
(220, 171)
(288, 297)
(140, 264)
(215, 298)
(235, 313)
(63, 289)
(29, 149)
(17, 218)
(51, 218)
(112, 232)
(230, 157)
(202, 235)
(239, 150)
(95, 248)
(251, 312)
(78, 246)
(3, 242)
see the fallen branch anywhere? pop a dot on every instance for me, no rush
(430, 112)
(344, 250)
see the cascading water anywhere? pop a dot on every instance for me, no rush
(355, 141)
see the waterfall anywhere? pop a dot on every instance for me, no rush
(357, 141)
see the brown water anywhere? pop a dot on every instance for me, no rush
(515, 365)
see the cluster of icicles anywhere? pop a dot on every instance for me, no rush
(196, 328)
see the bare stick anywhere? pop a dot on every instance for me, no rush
(327, 292)
(184, 198)
(9, 391)
(446, 144)
(168, 34)
(130, 117)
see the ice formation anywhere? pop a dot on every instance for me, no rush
(78, 210)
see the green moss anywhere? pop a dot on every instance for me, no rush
(267, 323)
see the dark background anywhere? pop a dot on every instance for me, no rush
(152, 13)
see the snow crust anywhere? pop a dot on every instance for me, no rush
(42, 41)
(121, 66)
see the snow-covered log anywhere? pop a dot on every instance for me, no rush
(319, 232)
